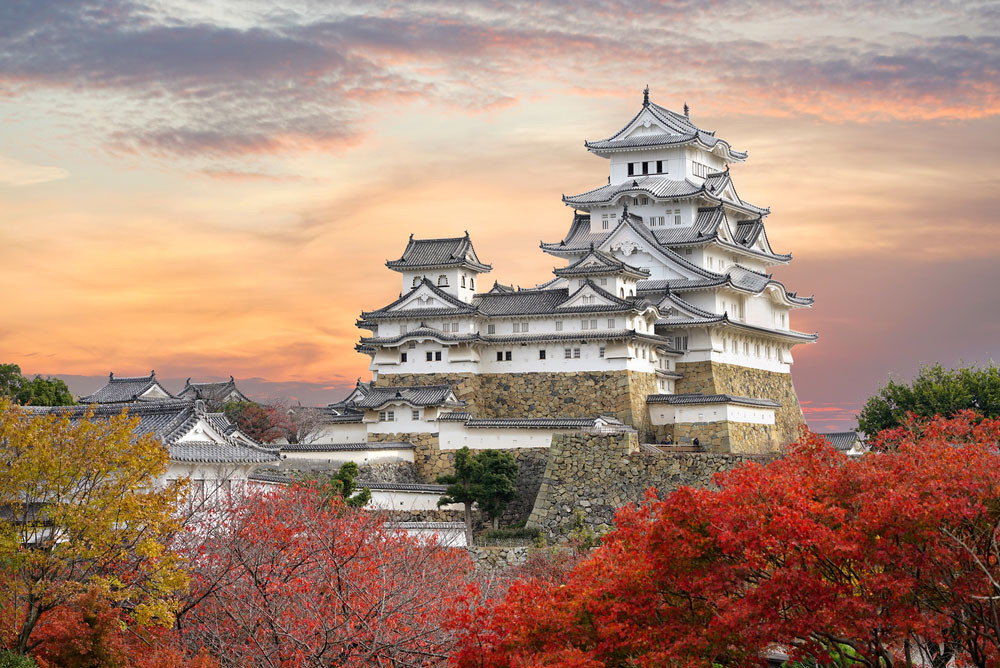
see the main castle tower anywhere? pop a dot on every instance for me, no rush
(663, 316)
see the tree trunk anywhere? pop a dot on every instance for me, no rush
(31, 616)
(468, 523)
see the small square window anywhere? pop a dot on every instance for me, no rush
(611, 323)
(491, 329)
(415, 415)
(437, 356)
(411, 345)
(576, 353)
(499, 356)
(402, 357)
(507, 356)
(430, 356)
(558, 325)
(568, 353)
(541, 354)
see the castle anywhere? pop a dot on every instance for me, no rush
(663, 317)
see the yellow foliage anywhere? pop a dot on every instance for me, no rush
(81, 505)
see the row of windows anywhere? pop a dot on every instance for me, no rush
(660, 221)
(647, 167)
(700, 169)
(432, 356)
(734, 346)
(390, 416)
(443, 281)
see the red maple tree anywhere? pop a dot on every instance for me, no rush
(884, 559)
(291, 578)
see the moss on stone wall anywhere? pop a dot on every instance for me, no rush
(716, 378)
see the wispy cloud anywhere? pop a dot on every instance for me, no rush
(16, 173)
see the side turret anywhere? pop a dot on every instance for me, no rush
(450, 264)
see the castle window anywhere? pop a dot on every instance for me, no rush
(659, 166)
(454, 326)
(568, 353)
(687, 251)
(746, 348)
(411, 345)
(541, 354)
(677, 216)
(604, 225)
(782, 319)
(499, 356)
(437, 356)
(681, 342)
(507, 356)
(645, 168)
(558, 325)
(387, 416)
(430, 356)
(472, 283)
(442, 281)
(416, 281)
(643, 200)
(600, 351)
(491, 329)
(403, 329)
(402, 357)
(576, 353)
(622, 291)
(611, 323)
(756, 349)
(415, 415)
(631, 169)
(517, 327)
(463, 280)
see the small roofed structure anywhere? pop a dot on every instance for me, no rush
(126, 389)
(848, 442)
(450, 264)
(215, 395)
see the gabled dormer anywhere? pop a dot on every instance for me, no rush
(450, 264)
(126, 389)
(605, 270)
(591, 296)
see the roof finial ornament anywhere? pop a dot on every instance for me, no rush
(411, 236)
(467, 234)
(645, 96)
(687, 110)
(152, 373)
(231, 379)
(624, 210)
(111, 375)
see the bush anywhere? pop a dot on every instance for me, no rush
(510, 533)
(11, 660)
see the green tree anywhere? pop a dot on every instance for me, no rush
(486, 479)
(45, 392)
(37, 392)
(935, 391)
(343, 484)
(81, 507)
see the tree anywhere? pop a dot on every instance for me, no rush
(306, 423)
(341, 485)
(292, 578)
(866, 561)
(264, 424)
(486, 479)
(935, 391)
(37, 392)
(82, 506)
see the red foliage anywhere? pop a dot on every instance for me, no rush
(882, 553)
(90, 633)
(289, 578)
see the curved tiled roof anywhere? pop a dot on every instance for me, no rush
(676, 129)
(456, 305)
(699, 399)
(211, 392)
(368, 396)
(597, 262)
(662, 187)
(843, 440)
(345, 447)
(430, 253)
(125, 389)
(169, 421)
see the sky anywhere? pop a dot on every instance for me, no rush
(210, 188)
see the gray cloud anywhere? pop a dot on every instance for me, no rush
(177, 86)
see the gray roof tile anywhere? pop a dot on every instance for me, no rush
(428, 253)
(124, 389)
(698, 399)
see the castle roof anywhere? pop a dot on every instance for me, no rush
(439, 253)
(597, 262)
(655, 126)
(702, 399)
(172, 421)
(212, 392)
(843, 440)
(366, 396)
(127, 389)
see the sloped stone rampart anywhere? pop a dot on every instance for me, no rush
(599, 474)
(716, 378)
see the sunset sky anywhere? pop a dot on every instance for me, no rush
(212, 188)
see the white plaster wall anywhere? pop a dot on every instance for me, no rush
(455, 435)
(408, 500)
(359, 457)
(690, 413)
(402, 420)
(450, 537)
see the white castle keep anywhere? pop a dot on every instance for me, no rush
(663, 316)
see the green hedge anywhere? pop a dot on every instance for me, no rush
(12, 660)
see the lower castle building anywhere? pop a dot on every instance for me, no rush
(662, 316)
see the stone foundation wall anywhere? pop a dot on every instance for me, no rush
(731, 437)
(599, 474)
(621, 394)
(498, 559)
(716, 378)
(430, 462)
